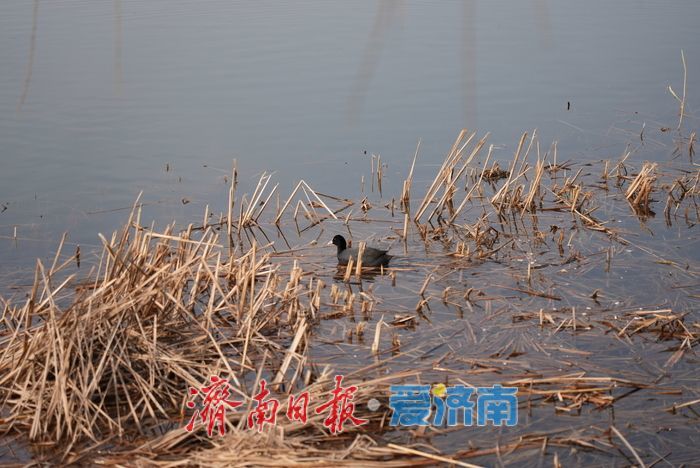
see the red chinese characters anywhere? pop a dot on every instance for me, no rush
(340, 407)
(297, 408)
(215, 404)
(265, 411)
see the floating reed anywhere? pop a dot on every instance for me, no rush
(104, 358)
(639, 192)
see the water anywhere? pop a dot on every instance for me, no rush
(96, 98)
(100, 101)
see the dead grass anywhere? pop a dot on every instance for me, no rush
(104, 360)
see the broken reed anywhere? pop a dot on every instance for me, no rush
(289, 443)
(160, 312)
(684, 187)
(638, 194)
(524, 188)
(163, 311)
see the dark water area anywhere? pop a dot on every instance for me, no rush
(103, 101)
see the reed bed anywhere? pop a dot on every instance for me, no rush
(158, 312)
(509, 275)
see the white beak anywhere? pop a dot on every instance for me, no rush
(330, 242)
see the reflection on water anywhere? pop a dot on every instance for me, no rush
(30, 63)
(118, 69)
(384, 22)
(98, 98)
(542, 21)
(469, 64)
(117, 98)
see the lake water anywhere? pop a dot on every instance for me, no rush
(102, 100)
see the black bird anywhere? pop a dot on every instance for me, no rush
(371, 257)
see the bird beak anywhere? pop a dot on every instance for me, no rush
(330, 242)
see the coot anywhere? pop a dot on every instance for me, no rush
(371, 257)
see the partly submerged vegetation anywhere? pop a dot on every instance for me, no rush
(518, 273)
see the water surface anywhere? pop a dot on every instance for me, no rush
(100, 101)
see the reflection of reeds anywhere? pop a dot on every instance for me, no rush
(306, 190)
(406, 191)
(378, 173)
(160, 312)
(534, 192)
(406, 195)
(681, 100)
(109, 358)
(684, 187)
(30, 60)
(118, 41)
(639, 192)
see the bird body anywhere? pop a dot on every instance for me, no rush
(371, 257)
